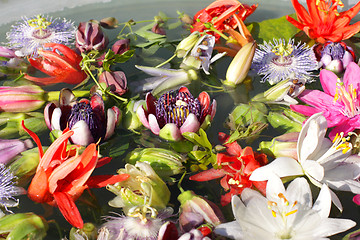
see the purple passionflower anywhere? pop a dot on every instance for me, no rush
(89, 36)
(339, 102)
(85, 117)
(278, 61)
(30, 34)
(176, 112)
(334, 56)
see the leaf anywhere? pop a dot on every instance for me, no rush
(278, 27)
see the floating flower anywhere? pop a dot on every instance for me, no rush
(323, 22)
(334, 56)
(339, 102)
(143, 223)
(283, 214)
(8, 190)
(89, 36)
(60, 62)
(176, 112)
(322, 161)
(278, 61)
(63, 174)
(220, 13)
(86, 118)
(235, 168)
(32, 33)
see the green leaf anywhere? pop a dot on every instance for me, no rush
(268, 29)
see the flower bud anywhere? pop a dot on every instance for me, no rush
(23, 226)
(88, 232)
(109, 22)
(130, 120)
(115, 81)
(121, 46)
(143, 186)
(164, 162)
(196, 210)
(7, 53)
(283, 92)
(281, 146)
(21, 98)
(10, 148)
(283, 122)
(240, 65)
(158, 29)
(89, 36)
(187, 44)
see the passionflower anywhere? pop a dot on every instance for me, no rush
(176, 112)
(323, 22)
(32, 33)
(220, 14)
(58, 61)
(85, 117)
(234, 168)
(279, 60)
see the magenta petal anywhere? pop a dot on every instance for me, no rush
(345, 127)
(356, 199)
(328, 81)
(316, 98)
(191, 124)
(306, 110)
(351, 75)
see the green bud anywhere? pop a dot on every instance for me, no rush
(164, 162)
(187, 44)
(27, 226)
(281, 146)
(246, 114)
(131, 120)
(240, 65)
(283, 123)
(89, 232)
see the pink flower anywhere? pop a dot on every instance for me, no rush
(339, 102)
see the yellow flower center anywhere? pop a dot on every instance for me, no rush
(348, 97)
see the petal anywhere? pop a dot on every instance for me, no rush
(344, 127)
(68, 209)
(299, 190)
(274, 187)
(153, 124)
(231, 230)
(142, 116)
(282, 167)
(207, 175)
(170, 132)
(317, 98)
(305, 110)
(331, 226)
(111, 123)
(103, 180)
(55, 119)
(82, 134)
(191, 124)
(351, 75)
(313, 169)
(328, 81)
(323, 202)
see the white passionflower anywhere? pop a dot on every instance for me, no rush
(321, 160)
(283, 214)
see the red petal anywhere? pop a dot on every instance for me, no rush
(72, 57)
(301, 13)
(35, 138)
(103, 180)
(68, 209)
(102, 161)
(208, 175)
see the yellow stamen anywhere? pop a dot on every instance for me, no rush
(292, 212)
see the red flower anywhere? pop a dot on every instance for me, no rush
(220, 13)
(323, 22)
(235, 169)
(63, 174)
(62, 67)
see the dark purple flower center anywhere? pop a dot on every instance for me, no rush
(175, 107)
(83, 111)
(282, 60)
(335, 50)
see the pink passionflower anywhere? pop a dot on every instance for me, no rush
(339, 102)
(176, 112)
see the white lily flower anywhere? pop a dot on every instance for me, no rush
(321, 160)
(283, 214)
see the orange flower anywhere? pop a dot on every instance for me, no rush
(63, 174)
(62, 67)
(323, 22)
(220, 13)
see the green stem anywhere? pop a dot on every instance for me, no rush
(162, 64)
(220, 33)
(180, 181)
(54, 95)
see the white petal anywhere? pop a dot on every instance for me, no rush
(282, 166)
(230, 230)
(55, 119)
(82, 134)
(331, 226)
(335, 200)
(299, 190)
(343, 178)
(238, 207)
(248, 194)
(311, 136)
(274, 187)
(323, 202)
(313, 169)
(111, 123)
(153, 124)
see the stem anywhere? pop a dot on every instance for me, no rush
(179, 183)
(167, 61)
(54, 95)
(220, 33)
